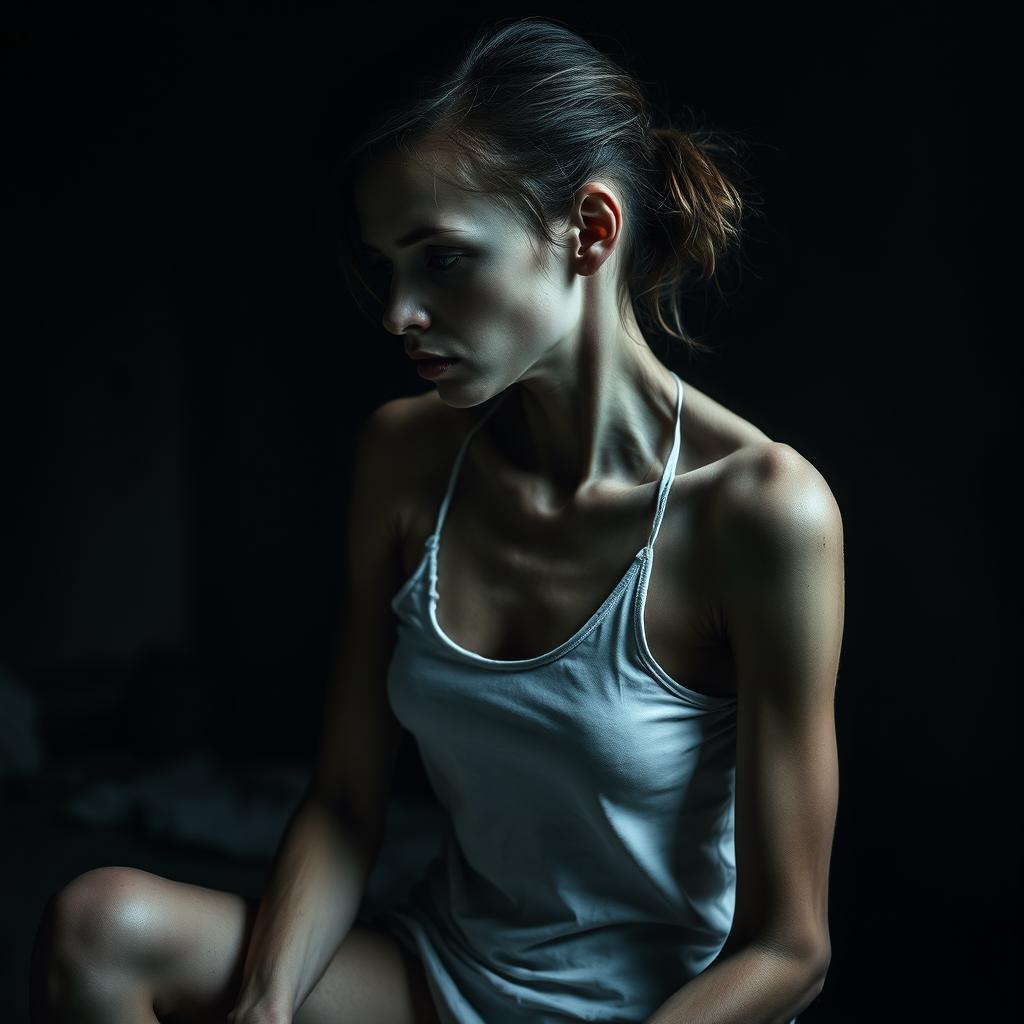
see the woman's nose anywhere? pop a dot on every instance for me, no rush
(401, 311)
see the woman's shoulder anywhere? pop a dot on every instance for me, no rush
(768, 492)
(431, 425)
(752, 469)
(426, 433)
(421, 417)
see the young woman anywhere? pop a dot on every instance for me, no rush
(608, 608)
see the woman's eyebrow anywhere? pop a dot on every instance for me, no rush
(419, 234)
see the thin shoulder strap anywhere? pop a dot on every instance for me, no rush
(669, 472)
(453, 476)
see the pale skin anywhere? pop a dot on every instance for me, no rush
(748, 572)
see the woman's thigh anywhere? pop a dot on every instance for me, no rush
(187, 943)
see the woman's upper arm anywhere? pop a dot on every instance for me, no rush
(360, 738)
(779, 546)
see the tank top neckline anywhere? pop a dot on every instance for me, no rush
(433, 543)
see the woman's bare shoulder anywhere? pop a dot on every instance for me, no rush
(426, 431)
(431, 423)
(742, 457)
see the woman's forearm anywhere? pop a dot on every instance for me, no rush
(311, 900)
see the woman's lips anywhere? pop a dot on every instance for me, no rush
(434, 367)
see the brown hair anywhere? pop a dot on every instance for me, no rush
(531, 112)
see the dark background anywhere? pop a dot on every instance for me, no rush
(182, 373)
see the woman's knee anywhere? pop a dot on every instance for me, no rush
(104, 916)
(90, 947)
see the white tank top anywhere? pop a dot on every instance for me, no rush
(588, 866)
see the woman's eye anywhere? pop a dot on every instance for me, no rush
(382, 265)
(456, 256)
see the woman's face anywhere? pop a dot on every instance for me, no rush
(479, 292)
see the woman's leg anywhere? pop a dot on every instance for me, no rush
(120, 945)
